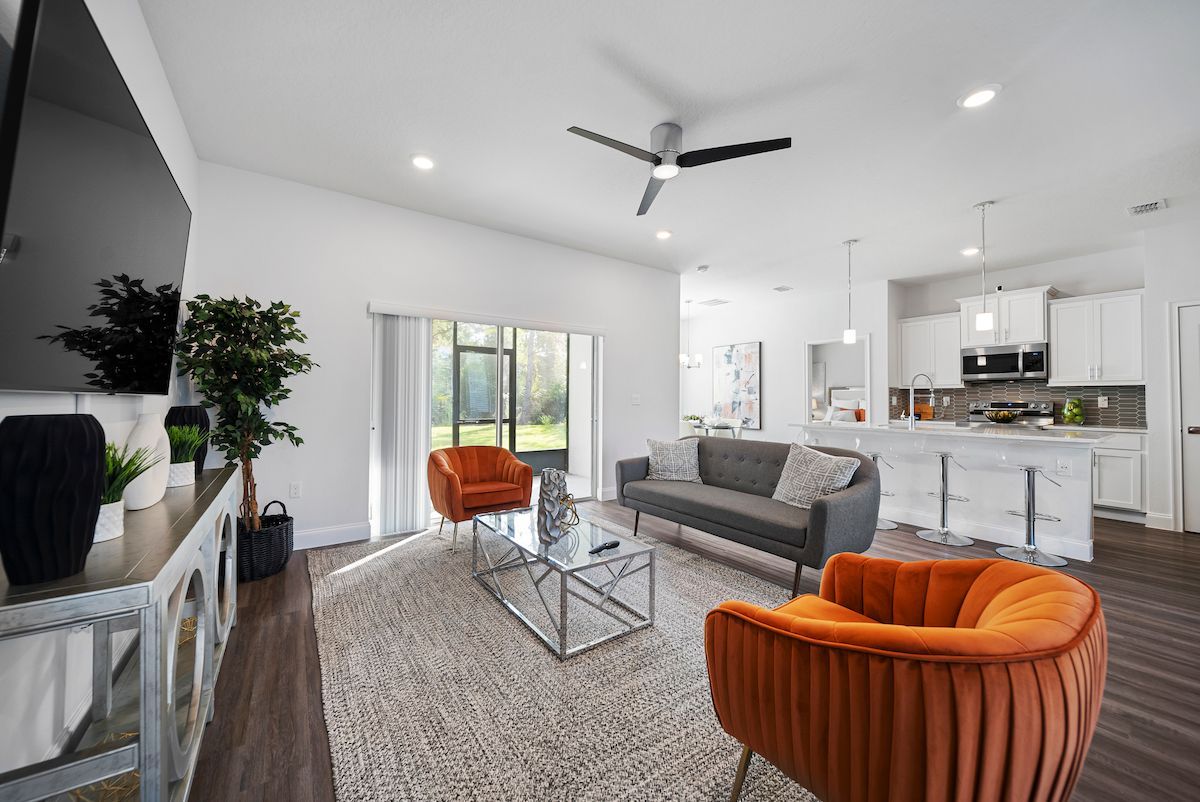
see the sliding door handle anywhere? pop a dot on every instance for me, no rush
(1194, 430)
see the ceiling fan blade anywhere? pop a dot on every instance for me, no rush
(651, 193)
(698, 157)
(636, 153)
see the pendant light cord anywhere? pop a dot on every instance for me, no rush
(849, 285)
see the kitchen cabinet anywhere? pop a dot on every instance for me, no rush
(1117, 479)
(1019, 316)
(930, 345)
(1097, 340)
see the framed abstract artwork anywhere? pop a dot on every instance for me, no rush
(737, 372)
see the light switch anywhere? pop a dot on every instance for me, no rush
(1102, 402)
(636, 400)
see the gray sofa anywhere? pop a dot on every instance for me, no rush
(734, 502)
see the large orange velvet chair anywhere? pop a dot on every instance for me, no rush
(468, 480)
(966, 680)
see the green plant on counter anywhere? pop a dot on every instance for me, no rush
(1073, 412)
(185, 442)
(121, 468)
(692, 418)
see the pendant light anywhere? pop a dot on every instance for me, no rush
(984, 320)
(849, 336)
(690, 360)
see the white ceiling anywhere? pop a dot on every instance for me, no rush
(1099, 111)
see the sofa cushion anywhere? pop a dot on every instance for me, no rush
(485, 494)
(674, 460)
(749, 513)
(751, 466)
(808, 474)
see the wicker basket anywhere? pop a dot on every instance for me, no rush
(265, 552)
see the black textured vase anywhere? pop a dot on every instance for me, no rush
(51, 479)
(191, 416)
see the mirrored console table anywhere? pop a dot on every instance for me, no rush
(168, 587)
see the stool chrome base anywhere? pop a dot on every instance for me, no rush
(1031, 555)
(884, 523)
(944, 537)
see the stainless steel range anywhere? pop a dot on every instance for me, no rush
(1029, 413)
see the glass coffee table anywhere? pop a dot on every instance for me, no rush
(516, 565)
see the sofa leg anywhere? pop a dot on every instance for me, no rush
(796, 580)
(637, 517)
(740, 778)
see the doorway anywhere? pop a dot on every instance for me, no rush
(1189, 414)
(528, 390)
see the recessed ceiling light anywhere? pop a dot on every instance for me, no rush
(977, 97)
(662, 233)
(969, 251)
(422, 162)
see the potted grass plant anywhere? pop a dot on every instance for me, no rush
(121, 466)
(185, 442)
(238, 352)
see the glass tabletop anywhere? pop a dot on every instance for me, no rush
(570, 552)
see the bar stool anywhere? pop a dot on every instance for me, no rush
(877, 457)
(1029, 552)
(942, 534)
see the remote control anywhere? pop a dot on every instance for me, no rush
(605, 546)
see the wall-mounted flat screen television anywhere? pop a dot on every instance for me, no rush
(95, 228)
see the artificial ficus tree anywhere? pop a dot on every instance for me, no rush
(238, 354)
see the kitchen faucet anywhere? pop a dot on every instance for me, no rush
(912, 397)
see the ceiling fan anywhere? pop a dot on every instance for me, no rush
(667, 156)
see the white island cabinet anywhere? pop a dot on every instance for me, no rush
(988, 477)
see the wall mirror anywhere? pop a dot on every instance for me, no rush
(839, 382)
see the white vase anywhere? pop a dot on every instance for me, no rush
(111, 523)
(148, 489)
(181, 474)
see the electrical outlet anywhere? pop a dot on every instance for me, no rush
(636, 400)
(945, 400)
(295, 490)
(895, 401)
(1064, 467)
(1102, 402)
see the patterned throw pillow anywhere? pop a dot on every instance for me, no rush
(675, 460)
(809, 474)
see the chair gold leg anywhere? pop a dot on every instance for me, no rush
(454, 537)
(441, 526)
(740, 778)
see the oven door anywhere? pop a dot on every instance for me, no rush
(991, 363)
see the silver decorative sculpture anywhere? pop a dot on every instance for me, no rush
(554, 505)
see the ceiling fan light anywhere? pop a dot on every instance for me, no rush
(665, 171)
(850, 336)
(983, 321)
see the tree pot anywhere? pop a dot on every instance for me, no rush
(51, 480)
(266, 552)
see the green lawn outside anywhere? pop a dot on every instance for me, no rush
(530, 436)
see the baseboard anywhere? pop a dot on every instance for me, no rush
(331, 535)
(608, 493)
(1161, 520)
(1064, 547)
(1128, 516)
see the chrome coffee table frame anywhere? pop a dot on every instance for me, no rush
(630, 558)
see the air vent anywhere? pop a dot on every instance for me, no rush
(713, 302)
(783, 288)
(1147, 208)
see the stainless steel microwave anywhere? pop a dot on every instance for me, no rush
(1002, 363)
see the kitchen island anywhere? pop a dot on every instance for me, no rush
(988, 477)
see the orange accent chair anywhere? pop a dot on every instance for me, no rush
(469, 480)
(941, 680)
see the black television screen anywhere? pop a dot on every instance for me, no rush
(95, 227)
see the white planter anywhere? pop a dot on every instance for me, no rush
(111, 523)
(148, 489)
(181, 474)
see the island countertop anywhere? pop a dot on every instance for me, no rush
(1013, 434)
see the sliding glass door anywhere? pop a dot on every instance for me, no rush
(515, 387)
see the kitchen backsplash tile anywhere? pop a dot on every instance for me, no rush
(1126, 405)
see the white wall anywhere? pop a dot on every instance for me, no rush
(1172, 275)
(46, 678)
(1106, 271)
(784, 323)
(329, 254)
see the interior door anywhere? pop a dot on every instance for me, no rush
(1189, 391)
(1023, 317)
(1118, 338)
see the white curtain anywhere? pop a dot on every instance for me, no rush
(402, 389)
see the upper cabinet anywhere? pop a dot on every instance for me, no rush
(1018, 316)
(930, 345)
(1097, 339)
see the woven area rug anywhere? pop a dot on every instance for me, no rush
(434, 691)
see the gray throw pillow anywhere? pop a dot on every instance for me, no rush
(809, 474)
(675, 460)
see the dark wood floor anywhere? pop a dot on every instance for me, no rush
(269, 741)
